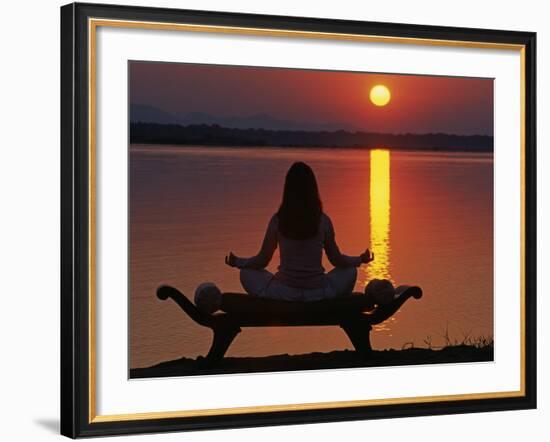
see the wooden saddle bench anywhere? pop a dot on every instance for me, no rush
(354, 314)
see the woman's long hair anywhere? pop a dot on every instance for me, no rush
(301, 208)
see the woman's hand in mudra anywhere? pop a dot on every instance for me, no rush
(231, 260)
(367, 256)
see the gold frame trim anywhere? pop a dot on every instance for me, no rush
(93, 24)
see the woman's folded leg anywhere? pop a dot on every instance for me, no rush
(255, 281)
(263, 283)
(342, 280)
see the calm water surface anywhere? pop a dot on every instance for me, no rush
(428, 217)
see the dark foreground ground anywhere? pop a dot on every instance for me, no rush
(312, 361)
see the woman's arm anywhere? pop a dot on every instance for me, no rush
(269, 244)
(336, 258)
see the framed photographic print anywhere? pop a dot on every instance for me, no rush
(270, 220)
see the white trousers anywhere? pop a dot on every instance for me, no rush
(262, 283)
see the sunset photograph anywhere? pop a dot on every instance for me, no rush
(294, 219)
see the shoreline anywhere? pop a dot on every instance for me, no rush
(458, 150)
(319, 361)
(204, 134)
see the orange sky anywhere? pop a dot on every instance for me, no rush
(419, 104)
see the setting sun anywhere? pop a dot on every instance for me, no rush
(380, 95)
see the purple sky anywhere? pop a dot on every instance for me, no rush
(419, 104)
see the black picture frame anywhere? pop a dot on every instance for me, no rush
(76, 403)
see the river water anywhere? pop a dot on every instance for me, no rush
(428, 217)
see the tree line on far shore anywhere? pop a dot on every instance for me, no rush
(215, 135)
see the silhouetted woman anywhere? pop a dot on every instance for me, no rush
(301, 230)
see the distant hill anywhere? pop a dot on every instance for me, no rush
(216, 135)
(140, 113)
(149, 114)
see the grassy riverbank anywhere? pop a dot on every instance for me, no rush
(335, 359)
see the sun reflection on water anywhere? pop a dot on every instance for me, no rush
(380, 214)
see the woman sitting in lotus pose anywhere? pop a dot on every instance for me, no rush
(302, 231)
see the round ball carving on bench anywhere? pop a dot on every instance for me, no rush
(381, 291)
(208, 297)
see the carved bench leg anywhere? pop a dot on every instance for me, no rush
(359, 335)
(223, 337)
